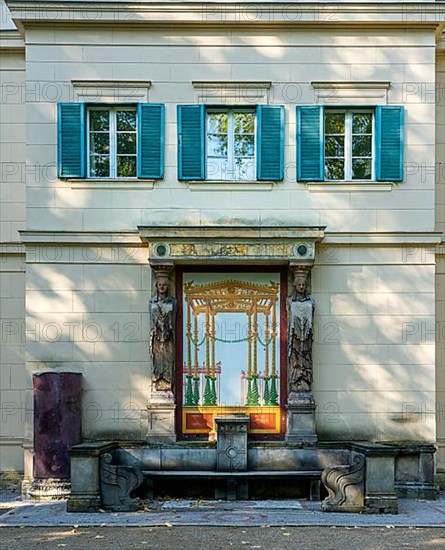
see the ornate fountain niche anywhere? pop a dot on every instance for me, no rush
(231, 332)
(232, 355)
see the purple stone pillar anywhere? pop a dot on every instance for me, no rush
(57, 427)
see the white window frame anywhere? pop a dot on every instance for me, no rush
(348, 143)
(113, 141)
(231, 141)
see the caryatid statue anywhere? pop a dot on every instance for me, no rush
(301, 315)
(162, 331)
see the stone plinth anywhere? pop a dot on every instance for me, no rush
(231, 444)
(415, 471)
(301, 421)
(161, 422)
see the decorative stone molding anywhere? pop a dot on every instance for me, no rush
(49, 489)
(117, 485)
(233, 92)
(340, 92)
(169, 244)
(345, 485)
(112, 91)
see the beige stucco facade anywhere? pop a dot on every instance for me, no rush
(379, 274)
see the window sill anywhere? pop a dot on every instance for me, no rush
(253, 185)
(138, 184)
(348, 186)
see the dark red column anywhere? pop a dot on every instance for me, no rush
(57, 422)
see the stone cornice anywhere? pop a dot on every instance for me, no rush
(228, 12)
(244, 232)
(11, 42)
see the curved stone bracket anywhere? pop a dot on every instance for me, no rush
(117, 485)
(346, 486)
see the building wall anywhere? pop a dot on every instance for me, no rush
(12, 268)
(87, 299)
(171, 59)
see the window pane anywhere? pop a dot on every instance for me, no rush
(361, 169)
(126, 144)
(99, 143)
(244, 169)
(335, 169)
(244, 123)
(99, 166)
(334, 146)
(217, 145)
(126, 120)
(217, 123)
(217, 169)
(126, 167)
(361, 146)
(362, 123)
(244, 146)
(334, 123)
(100, 120)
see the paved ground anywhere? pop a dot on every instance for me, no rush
(219, 538)
(243, 524)
(412, 513)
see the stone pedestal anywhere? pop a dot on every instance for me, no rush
(231, 443)
(231, 455)
(380, 494)
(85, 476)
(415, 471)
(161, 422)
(301, 419)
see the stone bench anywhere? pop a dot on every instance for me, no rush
(235, 483)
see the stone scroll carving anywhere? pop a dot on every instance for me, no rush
(162, 331)
(345, 485)
(117, 485)
(300, 337)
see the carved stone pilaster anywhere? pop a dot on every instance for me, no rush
(346, 486)
(117, 485)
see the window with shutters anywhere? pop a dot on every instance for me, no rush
(348, 145)
(230, 145)
(112, 142)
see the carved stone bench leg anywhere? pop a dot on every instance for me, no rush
(149, 488)
(117, 485)
(314, 493)
(231, 489)
(346, 486)
(243, 489)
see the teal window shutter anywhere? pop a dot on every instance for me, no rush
(151, 119)
(270, 146)
(310, 148)
(71, 140)
(191, 142)
(389, 122)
